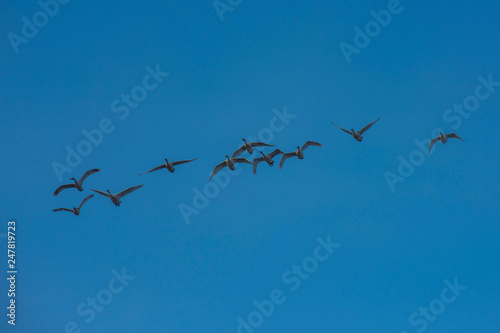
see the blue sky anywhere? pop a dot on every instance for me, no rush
(227, 79)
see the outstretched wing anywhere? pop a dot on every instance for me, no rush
(218, 168)
(433, 141)
(101, 193)
(275, 152)
(61, 209)
(453, 135)
(261, 144)
(154, 169)
(348, 132)
(255, 162)
(88, 173)
(239, 151)
(367, 127)
(184, 161)
(85, 200)
(128, 191)
(285, 157)
(311, 143)
(63, 187)
(241, 160)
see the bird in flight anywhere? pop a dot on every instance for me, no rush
(229, 162)
(299, 153)
(357, 135)
(77, 184)
(248, 146)
(170, 166)
(115, 198)
(75, 210)
(444, 138)
(268, 158)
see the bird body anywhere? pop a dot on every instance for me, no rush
(77, 185)
(299, 153)
(443, 138)
(170, 166)
(359, 134)
(115, 198)
(230, 164)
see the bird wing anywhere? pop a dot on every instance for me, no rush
(128, 191)
(101, 193)
(453, 135)
(239, 151)
(184, 161)
(367, 127)
(276, 152)
(63, 187)
(85, 200)
(261, 144)
(255, 162)
(154, 169)
(218, 168)
(88, 173)
(285, 157)
(61, 209)
(433, 141)
(310, 143)
(348, 132)
(241, 160)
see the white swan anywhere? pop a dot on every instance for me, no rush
(115, 198)
(78, 184)
(357, 135)
(168, 165)
(443, 138)
(299, 153)
(248, 146)
(268, 158)
(229, 162)
(75, 210)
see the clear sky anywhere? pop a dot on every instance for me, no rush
(398, 239)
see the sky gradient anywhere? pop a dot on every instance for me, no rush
(201, 84)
